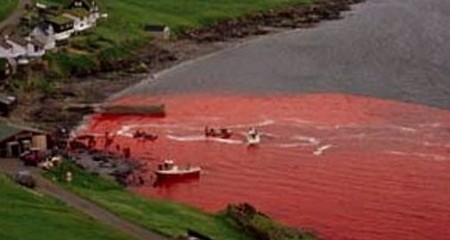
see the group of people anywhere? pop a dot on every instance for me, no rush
(142, 135)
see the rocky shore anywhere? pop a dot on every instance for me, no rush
(296, 16)
(48, 110)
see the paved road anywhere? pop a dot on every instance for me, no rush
(395, 49)
(14, 18)
(11, 166)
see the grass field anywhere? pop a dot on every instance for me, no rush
(6, 7)
(164, 217)
(26, 215)
(122, 33)
(167, 218)
(127, 17)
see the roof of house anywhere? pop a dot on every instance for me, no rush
(77, 12)
(59, 20)
(8, 130)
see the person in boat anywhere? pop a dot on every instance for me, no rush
(144, 136)
(225, 132)
(167, 165)
(210, 132)
(137, 134)
(253, 132)
(150, 137)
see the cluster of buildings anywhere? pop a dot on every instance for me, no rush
(54, 25)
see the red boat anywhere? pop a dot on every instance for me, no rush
(169, 170)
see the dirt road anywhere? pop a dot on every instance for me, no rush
(10, 166)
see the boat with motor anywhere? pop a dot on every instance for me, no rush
(253, 137)
(169, 169)
(220, 133)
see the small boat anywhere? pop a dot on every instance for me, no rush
(169, 169)
(221, 133)
(253, 138)
(144, 136)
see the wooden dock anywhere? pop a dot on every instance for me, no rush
(150, 110)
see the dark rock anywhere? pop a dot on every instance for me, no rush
(25, 179)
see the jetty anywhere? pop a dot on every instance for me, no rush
(118, 109)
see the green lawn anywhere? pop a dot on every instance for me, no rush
(161, 216)
(128, 17)
(6, 7)
(165, 217)
(26, 215)
(122, 33)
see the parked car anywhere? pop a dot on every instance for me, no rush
(32, 157)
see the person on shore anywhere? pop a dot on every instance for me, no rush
(68, 177)
(118, 148)
(127, 152)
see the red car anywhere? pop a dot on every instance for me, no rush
(32, 157)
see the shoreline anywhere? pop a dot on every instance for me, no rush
(47, 110)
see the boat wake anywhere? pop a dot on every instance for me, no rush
(197, 138)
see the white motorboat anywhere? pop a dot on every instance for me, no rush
(253, 137)
(169, 169)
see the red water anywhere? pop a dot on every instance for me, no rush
(348, 167)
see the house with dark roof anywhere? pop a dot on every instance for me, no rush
(15, 139)
(85, 14)
(60, 26)
(81, 17)
(89, 5)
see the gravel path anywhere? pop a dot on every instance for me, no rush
(394, 49)
(11, 166)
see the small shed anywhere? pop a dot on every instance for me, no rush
(7, 104)
(15, 139)
(159, 31)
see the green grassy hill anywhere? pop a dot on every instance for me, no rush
(128, 17)
(122, 34)
(26, 215)
(167, 218)
(6, 7)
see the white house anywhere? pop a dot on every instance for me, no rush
(10, 49)
(62, 27)
(33, 48)
(84, 13)
(44, 34)
(81, 18)
(55, 28)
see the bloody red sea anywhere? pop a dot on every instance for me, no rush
(349, 167)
